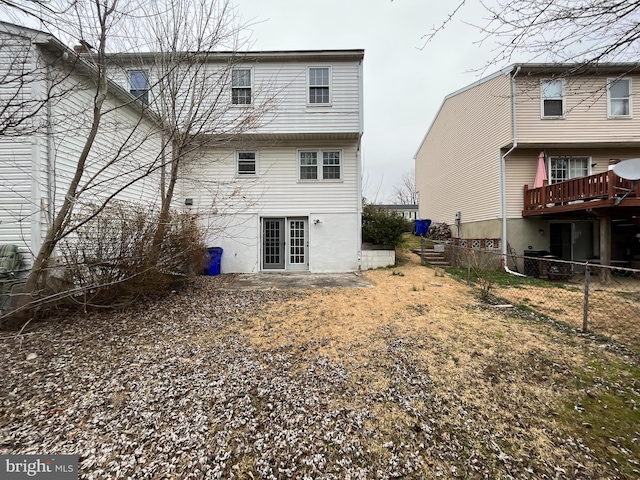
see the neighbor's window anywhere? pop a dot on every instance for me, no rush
(247, 164)
(562, 169)
(139, 85)
(552, 93)
(331, 168)
(241, 86)
(619, 97)
(319, 86)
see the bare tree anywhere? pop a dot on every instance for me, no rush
(194, 82)
(189, 102)
(589, 31)
(405, 191)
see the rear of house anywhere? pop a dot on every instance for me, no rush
(284, 193)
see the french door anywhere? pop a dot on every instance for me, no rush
(285, 244)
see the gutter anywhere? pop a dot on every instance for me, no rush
(503, 175)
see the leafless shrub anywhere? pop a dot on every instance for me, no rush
(482, 266)
(108, 259)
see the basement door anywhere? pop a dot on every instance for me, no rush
(285, 244)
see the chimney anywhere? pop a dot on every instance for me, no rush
(79, 49)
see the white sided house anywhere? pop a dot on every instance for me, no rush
(46, 105)
(277, 183)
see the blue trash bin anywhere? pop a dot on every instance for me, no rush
(422, 226)
(213, 262)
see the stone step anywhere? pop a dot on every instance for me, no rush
(433, 258)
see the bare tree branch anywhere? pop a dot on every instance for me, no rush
(405, 191)
(586, 31)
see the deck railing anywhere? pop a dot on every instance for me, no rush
(601, 186)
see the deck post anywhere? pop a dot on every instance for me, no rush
(605, 248)
(585, 307)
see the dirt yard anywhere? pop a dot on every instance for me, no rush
(410, 378)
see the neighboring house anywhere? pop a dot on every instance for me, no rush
(478, 162)
(283, 194)
(410, 212)
(46, 107)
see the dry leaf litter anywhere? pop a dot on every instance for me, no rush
(407, 379)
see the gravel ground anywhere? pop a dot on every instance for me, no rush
(210, 383)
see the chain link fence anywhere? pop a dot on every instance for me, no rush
(602, 300)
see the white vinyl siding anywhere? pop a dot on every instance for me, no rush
(212, 182)
(19, 217)
(280, 98)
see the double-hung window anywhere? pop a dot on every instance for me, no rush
(319, 85)
(139, 85)
(320, 164)
(619, 97)
(562, 169)
(247, 164)
(241, 86)
(552, 94)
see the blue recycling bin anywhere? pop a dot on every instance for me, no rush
(214, 260)
(422, 226)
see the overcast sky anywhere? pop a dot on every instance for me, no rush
(403, 85)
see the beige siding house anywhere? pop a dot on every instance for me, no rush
(477, 164)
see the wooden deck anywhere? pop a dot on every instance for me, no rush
(602, 190)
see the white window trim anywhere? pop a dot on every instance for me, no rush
(630, 98)
(247, 175)
(147, 74)
(251, 87)
(320, 105)
(569, 157)
(543, 98)
(320, 165)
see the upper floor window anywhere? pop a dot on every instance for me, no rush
(562, 169)
(619, 97)
(241, 86)
(247, 164)
(552, 93)
(319, 85)
(139, 85)
(329, 169)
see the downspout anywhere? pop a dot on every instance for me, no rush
(359, 167)
(50, 167)
(503, 175)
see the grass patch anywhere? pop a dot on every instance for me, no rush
(604, 413)
(500, 278)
